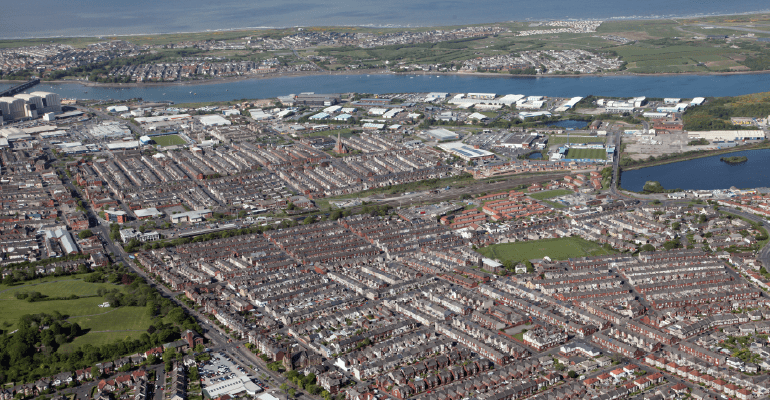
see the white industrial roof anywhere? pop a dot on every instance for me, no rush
(442, 134)
(478, 116)
(214, 120)
(130, 144)
(464, 150)
(147, 212)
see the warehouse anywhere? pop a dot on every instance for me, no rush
(569, 104)
(466, 152)
(191, 216)
(109, 129)
(213, 120)
(123, 145)
(441, 134)
(525, 115)
(479, 117)
(312, 99)
(727, 136)
(319, 116)
(483, 96)
(517, 140)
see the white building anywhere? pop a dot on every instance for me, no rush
(441, 134)
(727, 136)
(466, 152)
(214, 120)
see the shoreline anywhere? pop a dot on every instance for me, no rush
(232, 79)
(758, 146)
(373, 26)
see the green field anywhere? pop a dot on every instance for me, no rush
(587, 153)
(55, 287)
(107, 323)
(550, 194)
(111, 325)
(556, 249)
(168, 140)
(554, 204)
(673, 57)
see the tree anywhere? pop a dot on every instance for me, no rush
(647, 247)
(309, 220)
(572, 374)
(86, 233)
(672, 244)
(75, 330)
(653, 187)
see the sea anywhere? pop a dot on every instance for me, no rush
(683, 86)
(56, 18)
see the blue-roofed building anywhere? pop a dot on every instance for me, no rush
(319, 116)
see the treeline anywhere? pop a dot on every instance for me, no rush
(32, 351)
(46, 261)
(716, 113)
(760, 63)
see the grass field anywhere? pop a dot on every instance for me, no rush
(168, 140)
(684, 57)
(54, 287)
(556, 249)
(550, 194)
(117, 322)
(554, 204)
(587, 153)
(112, 324)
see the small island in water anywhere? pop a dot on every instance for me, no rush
(734, 160)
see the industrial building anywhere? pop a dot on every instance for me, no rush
(319, 116)
(441, 134)
(569, 104)
(214, 120)
(525, 115)
(109, 129)
(517, 140)
(32, 105)
(312, 99)
(727, 136)
(466, 152)
(123, 145)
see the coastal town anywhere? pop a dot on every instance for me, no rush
(556, 47)
(356, 246)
